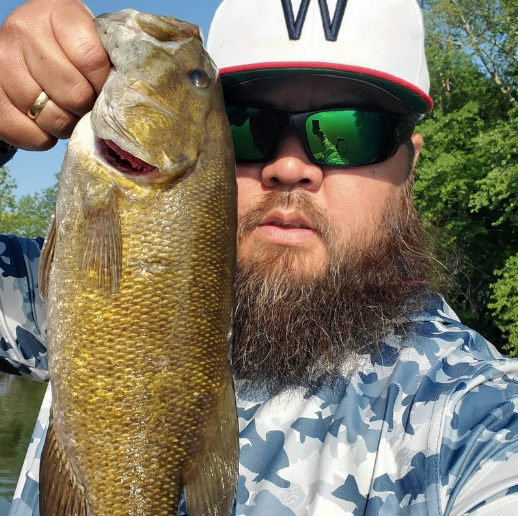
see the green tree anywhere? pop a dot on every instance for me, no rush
(504, 305)
(7, 201)
(483, 29)
(32, 212)
(468, 178)
(27, 216)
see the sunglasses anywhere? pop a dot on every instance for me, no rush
(332, 137)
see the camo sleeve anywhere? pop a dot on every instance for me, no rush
(330, 153)
(23, 315)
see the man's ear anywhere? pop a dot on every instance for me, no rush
(418, 142)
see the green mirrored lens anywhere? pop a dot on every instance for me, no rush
(345, 137)
(244, 146)
(254, 132)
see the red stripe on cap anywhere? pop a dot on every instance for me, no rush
(317, 65)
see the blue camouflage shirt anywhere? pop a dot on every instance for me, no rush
(428, 427)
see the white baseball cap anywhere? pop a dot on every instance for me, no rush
(378, 42)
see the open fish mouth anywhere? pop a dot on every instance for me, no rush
(122, 160)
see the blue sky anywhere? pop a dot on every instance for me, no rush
(36, 170)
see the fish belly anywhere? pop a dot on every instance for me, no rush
(141, 380)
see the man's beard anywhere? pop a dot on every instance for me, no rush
(298, 328)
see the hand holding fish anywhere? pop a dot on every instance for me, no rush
(60, 66)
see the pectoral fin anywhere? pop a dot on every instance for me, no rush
(210, 486)
(47, 254)
(60, 491)
(100, 239)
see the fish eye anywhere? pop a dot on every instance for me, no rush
(199, 77)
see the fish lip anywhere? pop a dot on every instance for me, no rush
(287, 218)
(104, 153)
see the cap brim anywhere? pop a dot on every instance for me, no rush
(408, 93)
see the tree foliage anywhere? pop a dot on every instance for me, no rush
(27, 216)
(468, 177)
(484, 30)
(7, 200)
(33, 212)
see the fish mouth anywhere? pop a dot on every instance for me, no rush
(122, 160)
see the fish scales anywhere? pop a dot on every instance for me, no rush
(143, 401)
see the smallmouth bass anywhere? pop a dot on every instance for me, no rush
(138, 269)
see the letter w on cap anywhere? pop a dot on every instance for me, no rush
(331, 29)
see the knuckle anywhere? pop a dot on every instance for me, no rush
(79, 98)
(14, 28)
(64, 125)
(42, 143)
(93, 58)
(35, 140)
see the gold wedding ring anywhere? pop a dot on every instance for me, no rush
(37, 107)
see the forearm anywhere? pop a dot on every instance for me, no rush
(23, 315)
(478, 458)
(330, 153)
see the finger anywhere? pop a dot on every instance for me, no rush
(56, 121)
(55, 74)
(21, 131)
(81, 44)
(52, 123)
(53, 119)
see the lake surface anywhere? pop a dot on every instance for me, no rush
(20, 401)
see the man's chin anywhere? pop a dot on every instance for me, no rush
(268, 258)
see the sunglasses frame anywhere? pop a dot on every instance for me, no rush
(398, 130)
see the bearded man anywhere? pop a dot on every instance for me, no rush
(358, 389)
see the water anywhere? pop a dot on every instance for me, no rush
(20, 402)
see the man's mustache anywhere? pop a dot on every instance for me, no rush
(299, 201)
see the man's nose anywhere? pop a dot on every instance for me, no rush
(290, 166)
